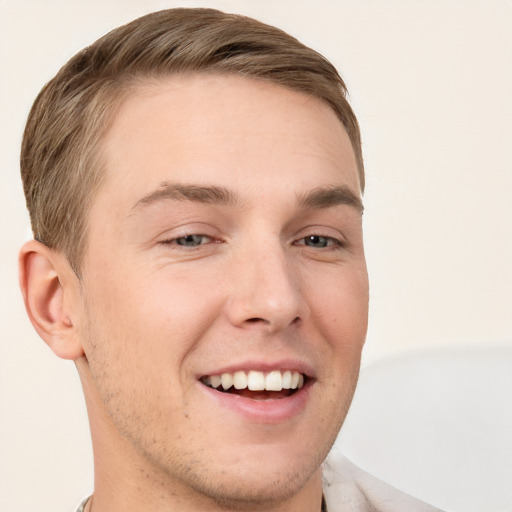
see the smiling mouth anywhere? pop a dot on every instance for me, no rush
(257, 385)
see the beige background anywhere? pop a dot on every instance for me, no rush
(431, 84)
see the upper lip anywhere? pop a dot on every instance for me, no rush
(262, 366)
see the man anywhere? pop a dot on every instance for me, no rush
(194, 182)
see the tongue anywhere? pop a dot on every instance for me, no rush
(262, 395)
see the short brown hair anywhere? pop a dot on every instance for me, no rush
(59, 162)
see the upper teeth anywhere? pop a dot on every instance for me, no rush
(275, 380)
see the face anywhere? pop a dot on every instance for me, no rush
(225, 250)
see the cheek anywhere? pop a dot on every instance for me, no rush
(139, 335)
(153, 319)
(341, 308)
(340, 312)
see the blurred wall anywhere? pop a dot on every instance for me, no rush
(430, 83)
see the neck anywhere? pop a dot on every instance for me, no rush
(89, 504)
(104, 501)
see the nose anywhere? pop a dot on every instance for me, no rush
(266, 291)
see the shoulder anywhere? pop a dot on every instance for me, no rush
(349, 488)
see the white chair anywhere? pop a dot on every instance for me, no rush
(437, 425)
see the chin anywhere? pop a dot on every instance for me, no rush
(247, 488)
(247, 477)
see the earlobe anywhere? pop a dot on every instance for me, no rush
(43, 284)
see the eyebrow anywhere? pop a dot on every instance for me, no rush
(182, 192)
(319, 198)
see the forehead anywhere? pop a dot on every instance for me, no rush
(221, 128)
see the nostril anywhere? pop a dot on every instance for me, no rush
(257, 320)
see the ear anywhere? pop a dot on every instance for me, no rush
(49, 285)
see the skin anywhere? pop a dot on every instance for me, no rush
(150, 315)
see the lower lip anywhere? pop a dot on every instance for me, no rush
(263, 411)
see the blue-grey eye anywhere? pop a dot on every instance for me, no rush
(317, 241)
(192, 240)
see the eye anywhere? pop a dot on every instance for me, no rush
(318, 241)
(189, 240)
